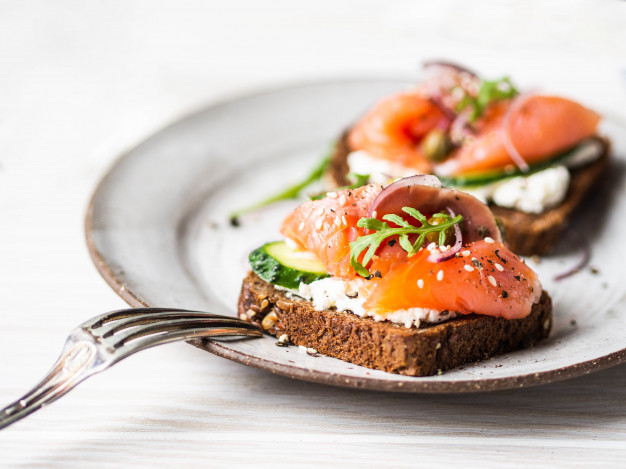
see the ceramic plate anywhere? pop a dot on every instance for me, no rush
(158, 231)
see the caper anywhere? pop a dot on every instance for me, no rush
(433, 236)
(436, 145)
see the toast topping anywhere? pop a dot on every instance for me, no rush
(455, 123)
(398, 272)
(480, 135)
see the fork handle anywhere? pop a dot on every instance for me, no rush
(77, 362)
(81, 359)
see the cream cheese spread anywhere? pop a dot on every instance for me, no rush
(530, 194)
(379, 169)
(344, 296)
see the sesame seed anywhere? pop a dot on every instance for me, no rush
(342, 200)
(465, 253)
(332, 195)
(499, 267)
(420, 283)
(444, 248)
(343, 220)
(468, 267)
(302, 347)
(489, 240)
(337, 221)
(283, 338)
(374, 214)
(301, 227)
(318, 224)
(440, 275)
(431, 246)
(492, 280)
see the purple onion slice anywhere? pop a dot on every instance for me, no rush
(445, 110)
(452, 65)
(461, 128)
(506, 131)
(450, 253)
(424, 193)
(583, 244)
(391, 191)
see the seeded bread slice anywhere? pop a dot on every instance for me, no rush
(526, 234)
(384, 345)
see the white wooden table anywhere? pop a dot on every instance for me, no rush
(82, 81)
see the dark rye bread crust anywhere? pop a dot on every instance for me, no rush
(526, 234)
(386, 346)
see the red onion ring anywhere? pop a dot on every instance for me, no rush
(445, 110)
(505, 133)
(443, 63)
(461, 127)
(424, 193)
(583, 244)
(418, 180)
(444, 256)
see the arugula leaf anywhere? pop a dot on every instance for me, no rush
(488, 92)
(371, 242)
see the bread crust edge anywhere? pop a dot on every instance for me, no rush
(386, 346)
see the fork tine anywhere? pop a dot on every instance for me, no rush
(158, 327)
(105, 318)
(142, 343)
(87, 351)
(115, 326)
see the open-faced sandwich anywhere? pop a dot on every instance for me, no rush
(409, 278)
(530, 157)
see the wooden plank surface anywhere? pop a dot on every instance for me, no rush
(82, 81)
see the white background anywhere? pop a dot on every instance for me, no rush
(81, 81)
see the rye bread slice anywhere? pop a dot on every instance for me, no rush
(526, 234)
(386, 346)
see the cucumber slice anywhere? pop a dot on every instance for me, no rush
(486, 177)
(281, 265)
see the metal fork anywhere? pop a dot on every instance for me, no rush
(104, 340)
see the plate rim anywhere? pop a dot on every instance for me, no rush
(408, 384)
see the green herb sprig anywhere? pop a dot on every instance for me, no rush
(372, 241)
(488, 92)
(291, 192)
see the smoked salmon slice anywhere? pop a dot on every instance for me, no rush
(534, 128)
(485, 277)
(539, 127)
(326, 227)
(393, 128)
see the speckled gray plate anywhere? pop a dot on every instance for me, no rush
(157, 229)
